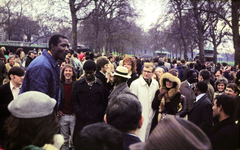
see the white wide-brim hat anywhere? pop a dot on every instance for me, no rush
(122, 72)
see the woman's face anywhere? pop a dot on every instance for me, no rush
(169, 84)
(221, 87)
(128, 65)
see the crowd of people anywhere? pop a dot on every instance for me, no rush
(59, 99)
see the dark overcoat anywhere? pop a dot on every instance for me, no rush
(225, 135)
(89, 103)
(202, 114)
(5, 98)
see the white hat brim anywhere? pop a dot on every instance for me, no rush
(127, 76)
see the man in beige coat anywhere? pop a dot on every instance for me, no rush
(145, 88)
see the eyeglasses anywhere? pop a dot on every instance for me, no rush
(147, 71)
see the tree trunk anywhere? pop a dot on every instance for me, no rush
(181, 33)
(201, 48)
(96, 25)
(192, 53)
(235, 30)
(74, 25)
(106, 43)
(215, 54)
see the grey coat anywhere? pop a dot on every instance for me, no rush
(188, 93)
(119, 89)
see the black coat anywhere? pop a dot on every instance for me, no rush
(5, 98)
(103, 79)
(134, 76)
(225, 135)
(3, 71)
(171, 107)
(202, 114)
(129, 140)
(89, 104)
(28, 61)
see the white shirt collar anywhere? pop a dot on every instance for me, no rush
(11, 86)
(200, 96)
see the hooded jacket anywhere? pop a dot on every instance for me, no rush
(174, 105)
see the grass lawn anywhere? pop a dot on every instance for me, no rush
(231, 63)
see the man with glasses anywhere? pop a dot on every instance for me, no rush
(145, 88)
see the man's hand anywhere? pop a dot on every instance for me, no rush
(60, 113)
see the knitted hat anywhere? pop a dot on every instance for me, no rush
(122, 72)
(32, 104)
(174, 134)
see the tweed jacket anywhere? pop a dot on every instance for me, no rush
(42, 75)
(186, 90)
(210, 91)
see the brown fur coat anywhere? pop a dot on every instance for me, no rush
(174, 95)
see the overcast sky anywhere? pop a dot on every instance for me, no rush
(150, 11)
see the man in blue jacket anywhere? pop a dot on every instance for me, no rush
(43, 73)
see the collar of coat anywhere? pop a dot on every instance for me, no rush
(173, 91)
(143, 82)
(50, 58)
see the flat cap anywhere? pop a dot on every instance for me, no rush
(32, 104)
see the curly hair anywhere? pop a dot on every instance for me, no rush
(22, 132)
(221, 80)
(62, 77)
(128, 59)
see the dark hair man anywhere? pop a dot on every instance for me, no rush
(43, 73)
(204, 75)
(120, 79)
(29, 59)
(102, 66)
(225, 134)
(232, 90)
(187, 88)
(125, 114)
(8, 92)
(201, 113)
(89, 99)
(99, 136)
